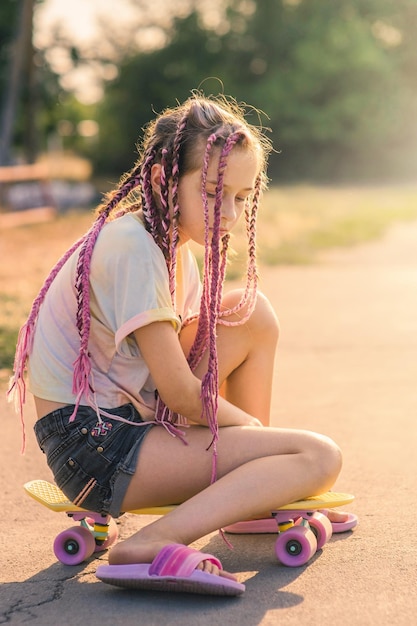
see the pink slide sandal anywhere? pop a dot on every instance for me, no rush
(269, 525)
(343, 527)
(173, 569)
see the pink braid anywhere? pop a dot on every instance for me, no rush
(249, 296)
(81, 386)
(164, 230)
(148, 203)
(175, 172)
(17, 387)
(212, 268)
(165, 220)
(225, 241)
(16, 392)
(82, 365)
(157, 222)
(201, 339)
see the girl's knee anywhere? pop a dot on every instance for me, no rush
(325, 461)
(322, 462)
(334, 457)
(263, 322)
(264, 318)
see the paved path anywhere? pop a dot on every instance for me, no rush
(347, 367)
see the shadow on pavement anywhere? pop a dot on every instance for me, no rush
(71, 594)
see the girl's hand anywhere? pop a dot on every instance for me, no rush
(243, 419)
(230, 415)
(253, 421)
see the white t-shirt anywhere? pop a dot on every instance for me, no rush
(129, 288)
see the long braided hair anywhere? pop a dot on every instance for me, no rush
(181, 140)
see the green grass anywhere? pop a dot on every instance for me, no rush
(7, 331)
(296, 224)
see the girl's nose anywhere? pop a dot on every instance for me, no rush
(228, 209)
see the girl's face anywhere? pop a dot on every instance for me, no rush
(238, 184)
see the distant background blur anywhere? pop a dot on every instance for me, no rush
(337, 80)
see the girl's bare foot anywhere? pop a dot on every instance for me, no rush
(136, 550)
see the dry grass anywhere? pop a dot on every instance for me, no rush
(28, 253)
(294, 224)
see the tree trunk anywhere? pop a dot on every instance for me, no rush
(21, 49)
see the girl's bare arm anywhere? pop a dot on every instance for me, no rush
(178, 387)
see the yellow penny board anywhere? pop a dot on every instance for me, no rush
(52, 497)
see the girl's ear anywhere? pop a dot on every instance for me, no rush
(156, 178)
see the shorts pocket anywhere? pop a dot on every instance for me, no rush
(69, 472)
(56, 447)
(78, 486)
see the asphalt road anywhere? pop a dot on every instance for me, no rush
(347, 367)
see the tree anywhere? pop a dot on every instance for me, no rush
(327, 81)
(20, 63)
(336, 80)
(150, 82)
(29, 88)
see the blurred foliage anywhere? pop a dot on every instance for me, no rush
(337, 80)
(8, 29)
(36, 88)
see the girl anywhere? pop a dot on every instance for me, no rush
(153, 388)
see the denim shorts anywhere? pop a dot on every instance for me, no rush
(92, 462)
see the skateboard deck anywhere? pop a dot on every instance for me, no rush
(301, 528)
(52, 497)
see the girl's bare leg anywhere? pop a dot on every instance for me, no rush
(246, 363)
(258, 470)
(246, 355)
